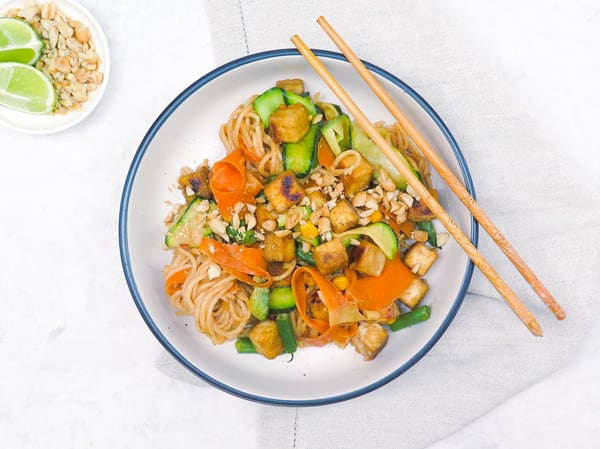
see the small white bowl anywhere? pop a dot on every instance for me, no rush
(52, 123)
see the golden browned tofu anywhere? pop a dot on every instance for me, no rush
(415, 292)
(419, 258)
(343, 216)
(420, 212)
(295, 85)
(359, 179)
(279, 249)
(368, 258)
(197, 182)
(330, 256)
(289, 123)
(265, 212)
(266, 339)
(284, 191)
(317, 199)
(370, 339)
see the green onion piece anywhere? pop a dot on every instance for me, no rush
(286, 332)
(427, 226)
(305, 257)
(408, 319)
(244, 346)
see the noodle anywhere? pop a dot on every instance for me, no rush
(219, 305)
(244, 130)
(356, 157)
(397, 136)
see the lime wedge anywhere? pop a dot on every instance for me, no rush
(19, 42)
(25, 88)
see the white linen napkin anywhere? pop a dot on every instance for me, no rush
(514, 83)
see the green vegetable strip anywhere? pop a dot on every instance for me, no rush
(305, 257)
(427, 226)
(244, 346)
(286, 332)
(407, 319)
(259, 302)
(281, 299)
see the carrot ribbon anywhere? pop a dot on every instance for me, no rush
(377, 292)
(242, 262)
(230, 183)
(324, 154)
(343, 314)
(174, 281)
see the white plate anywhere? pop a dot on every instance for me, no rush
(185, 133)
(52, 123)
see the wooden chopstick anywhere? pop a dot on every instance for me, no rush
(509, 296)
(443, 170)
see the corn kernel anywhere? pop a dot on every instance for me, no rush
(376, 216)
(309, 231)
(341, 282)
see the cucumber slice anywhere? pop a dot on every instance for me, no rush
(330, 110)
(381, 233)
(267, 102)
(270, 100)
(301, 156)
(186, 231)
(281, 299)
(365, 146)
(338, 133)
(259, 303)
(304, 100)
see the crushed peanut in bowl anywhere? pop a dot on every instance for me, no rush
(69, 58)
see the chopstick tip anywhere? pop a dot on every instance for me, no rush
(535, 328)
(559, 313)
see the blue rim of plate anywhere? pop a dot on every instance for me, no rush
(124, 248)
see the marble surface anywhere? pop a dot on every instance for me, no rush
(79, 368)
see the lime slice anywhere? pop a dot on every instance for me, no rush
(25, 88)
(19, 42)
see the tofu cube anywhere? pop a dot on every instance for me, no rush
(368, 258)
(420, 212)
(330, 256)
(419, 258)
(343, 216)
(317, 199)
(265, 212)
(279, 249)
(284, 192)
(289, 123)
(359, 179)
(266, 339)
(294, 85)
(369, 340)
(416, 291)
(198, 182)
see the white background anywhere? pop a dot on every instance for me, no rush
(79, 368)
